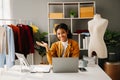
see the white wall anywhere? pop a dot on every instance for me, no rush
(33, 10)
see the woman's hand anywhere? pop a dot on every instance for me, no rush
(43, 44)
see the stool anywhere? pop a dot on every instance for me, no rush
(113, 70)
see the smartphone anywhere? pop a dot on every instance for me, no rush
(82, 69)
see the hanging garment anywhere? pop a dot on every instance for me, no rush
(17, 40)
(2, 46)
(2, 39)
(26, 39)
(31, 39)
(10, 56)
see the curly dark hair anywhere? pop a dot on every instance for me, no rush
(65, 27)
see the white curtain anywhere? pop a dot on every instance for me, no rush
(1, 9)
(5, 10)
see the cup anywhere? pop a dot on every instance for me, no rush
(91, 60)
(83, 63)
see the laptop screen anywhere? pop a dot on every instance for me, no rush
(65, 65)
(22, 59)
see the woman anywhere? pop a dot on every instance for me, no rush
(65, 47)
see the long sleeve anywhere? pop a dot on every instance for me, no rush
(2, 46)
(10, 56)
(56, 50)
(2, 39)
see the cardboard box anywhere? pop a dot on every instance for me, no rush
(86, 12)
(55, 15)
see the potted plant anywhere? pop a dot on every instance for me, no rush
(112, 40)
(72, 14)
(38, 36)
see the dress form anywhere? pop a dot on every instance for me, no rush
(97, 27)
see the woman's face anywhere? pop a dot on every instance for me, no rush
(61, 35)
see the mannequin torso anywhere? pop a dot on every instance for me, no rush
(97, 27)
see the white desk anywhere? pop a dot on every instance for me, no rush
(93, 73)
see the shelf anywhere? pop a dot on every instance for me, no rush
(72, 18)
(76, 23)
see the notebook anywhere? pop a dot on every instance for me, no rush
(65, 65)
(33, 68)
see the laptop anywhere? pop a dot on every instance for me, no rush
(65, 65)
(32, 68)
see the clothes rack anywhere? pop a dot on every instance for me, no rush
(17, 21)
(20, 21)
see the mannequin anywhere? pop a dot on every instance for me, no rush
(97, 27)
